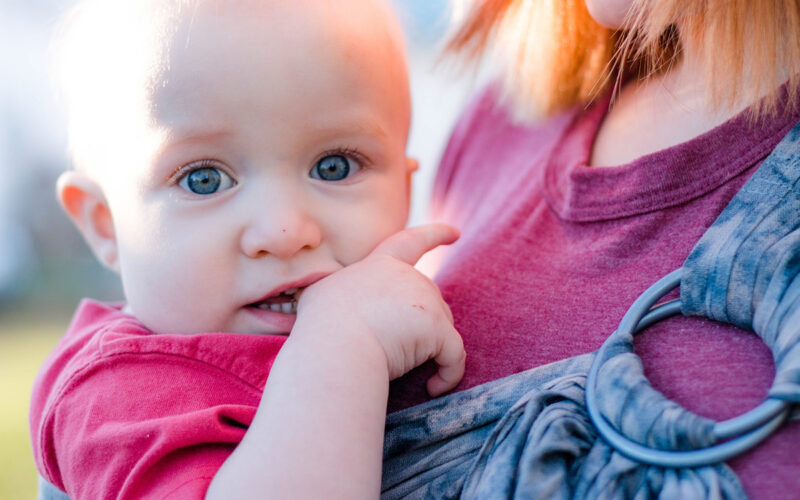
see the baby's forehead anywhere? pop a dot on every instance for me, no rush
(119, 53)
(287, 24)
(123, 44)
(280, 18)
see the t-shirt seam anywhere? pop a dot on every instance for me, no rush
(690, 191)
(678, 196)
(646, 202)
(636, 209)
(202, 478)
(201, 354)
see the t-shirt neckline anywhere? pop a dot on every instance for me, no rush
(665, 178)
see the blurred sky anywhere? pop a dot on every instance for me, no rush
(42, 258)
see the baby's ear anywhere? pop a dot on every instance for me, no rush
(84, 201)
(411, 166)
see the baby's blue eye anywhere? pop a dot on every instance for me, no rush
(333, 168)
(206, 180)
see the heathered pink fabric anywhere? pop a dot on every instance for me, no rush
(553, 252)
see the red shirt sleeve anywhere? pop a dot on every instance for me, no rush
(132, 415)
(146, 428)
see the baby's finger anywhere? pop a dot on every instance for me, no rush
(410, 244)
(448, 311)
(451, 361)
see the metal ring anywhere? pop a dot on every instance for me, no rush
(744, 431)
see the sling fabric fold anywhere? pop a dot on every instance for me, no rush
(745, 269)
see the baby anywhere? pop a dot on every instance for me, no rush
(241, 164)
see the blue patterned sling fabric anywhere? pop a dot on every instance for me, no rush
(529, 435)
(745, 270)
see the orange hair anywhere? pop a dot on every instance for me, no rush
(557, 56)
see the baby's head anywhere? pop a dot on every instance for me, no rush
(230, 152)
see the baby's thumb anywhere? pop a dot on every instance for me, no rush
(410, 244)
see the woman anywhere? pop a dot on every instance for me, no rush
(617, 133)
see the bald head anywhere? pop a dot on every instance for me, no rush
(121, 62)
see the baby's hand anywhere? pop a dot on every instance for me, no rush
(385, 298)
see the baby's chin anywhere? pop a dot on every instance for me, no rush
(248, 321)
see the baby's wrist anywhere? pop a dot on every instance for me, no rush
(351, 340)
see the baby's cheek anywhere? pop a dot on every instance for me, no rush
(163, 293)
(371, 233)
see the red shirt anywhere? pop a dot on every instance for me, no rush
(553, 252)
(119, 412)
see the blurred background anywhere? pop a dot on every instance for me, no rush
(45, 268)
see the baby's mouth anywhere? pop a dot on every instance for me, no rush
(285, 302)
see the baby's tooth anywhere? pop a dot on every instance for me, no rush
(286, 307)
(264, 306)
(275, 307)
(294, 307)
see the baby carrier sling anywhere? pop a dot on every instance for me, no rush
(532, 434)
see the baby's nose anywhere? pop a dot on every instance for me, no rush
(282, 233)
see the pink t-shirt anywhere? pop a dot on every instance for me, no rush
(553, 252)
(119, 412)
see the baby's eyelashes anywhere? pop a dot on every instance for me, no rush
(205, 179)
(337, 166)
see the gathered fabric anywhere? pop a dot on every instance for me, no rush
(745, 269)
(530, 436)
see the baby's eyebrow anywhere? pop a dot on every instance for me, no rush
(371, 128)
(174, 140)
(191, 136)
(351, 127)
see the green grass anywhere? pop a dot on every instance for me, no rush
(24, 344)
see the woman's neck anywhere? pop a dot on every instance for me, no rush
(658, 113)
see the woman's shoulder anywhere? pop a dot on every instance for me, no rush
(489, 126)
(491, 149)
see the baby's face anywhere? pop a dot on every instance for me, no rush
(280, 159)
